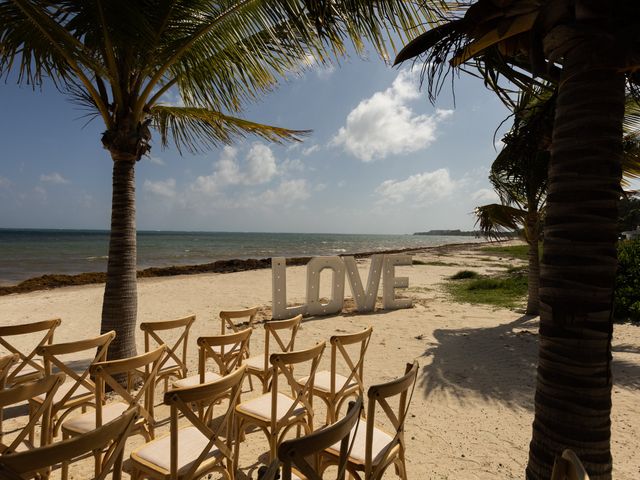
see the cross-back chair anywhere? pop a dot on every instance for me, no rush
(226, 351)
(374, 449)
(27, 368)
(232, 319)
(79, 390)
(293, 455)
(25, 391)
(275, 413)
(200, 448)
(37, 463)
(568, 467)
(279, 336)
(334, 388)
(174, 364)
(6, 363)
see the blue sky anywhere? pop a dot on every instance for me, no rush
(381, 159)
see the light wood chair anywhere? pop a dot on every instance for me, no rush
(174, 363)
(46, 387)
(226, 351)
(284, 336)
(568, 467)
(6, 363)
(275, 413)
(40, 333)
(233, 319)
(374, 449)
(79, 391)
(37, 463)
(200, 448)
(293, 455)
(332, 387)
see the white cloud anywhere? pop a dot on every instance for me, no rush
(287, 193)
(309, 150)
(320, 187)
(54, 178)
(423, 188)
(261, 165)
(162, 188)
(4, 182)
(291, 165)
(384, 124)
(155, 160)
(41, 193)
(485, 196)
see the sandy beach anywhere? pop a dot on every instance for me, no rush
(472, 409)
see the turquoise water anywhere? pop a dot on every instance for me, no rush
(30, 253)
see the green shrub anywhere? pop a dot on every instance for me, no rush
(627, 294)
(463, 274)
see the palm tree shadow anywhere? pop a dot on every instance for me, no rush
(497, 363)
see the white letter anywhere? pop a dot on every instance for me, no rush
(314, 268)
(279, 309)
(391, 282)
(365, 302)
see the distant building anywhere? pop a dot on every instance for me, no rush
(630, 234)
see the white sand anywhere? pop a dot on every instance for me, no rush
(472, 408)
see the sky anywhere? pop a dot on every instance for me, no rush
(380, 159)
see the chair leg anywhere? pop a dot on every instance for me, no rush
(64, 469)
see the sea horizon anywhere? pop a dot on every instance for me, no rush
(32, 252)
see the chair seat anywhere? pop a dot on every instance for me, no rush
(191, 442)
(194, 380)
(80, 392)
(260, 407)
(87, 421)
(380, 441)
(256, 363)
(322, 382)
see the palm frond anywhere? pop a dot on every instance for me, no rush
(495, 220)
(197, 129)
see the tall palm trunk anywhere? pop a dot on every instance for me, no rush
(533, 280)
(573, 392)
(120, 305)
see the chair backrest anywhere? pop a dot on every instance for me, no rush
(152, 333)
(296, 452)
(183, 400)
(232, 349)
(568, 467)
(232, 319)
(339, 344)
(46, 329)
(47, 387)
(284, 336)
(51, 355)
(283, 364)
(114, 434)
(6, 362)
(143, 366)
(379, 395)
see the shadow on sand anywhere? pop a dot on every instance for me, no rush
(499, 363)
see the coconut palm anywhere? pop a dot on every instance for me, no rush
(591, 48)
(120, 58)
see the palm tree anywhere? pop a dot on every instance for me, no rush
(118, 58)
(590, 47)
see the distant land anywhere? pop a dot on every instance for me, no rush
(453, 233)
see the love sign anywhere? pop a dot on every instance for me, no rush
(382, 266)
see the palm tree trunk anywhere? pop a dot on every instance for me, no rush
(573, 392)
(120, 305)
(533, 298)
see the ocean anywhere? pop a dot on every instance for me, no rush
(27, 253)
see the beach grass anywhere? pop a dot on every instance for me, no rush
(464, 274)
(515, 251)
(507, 291)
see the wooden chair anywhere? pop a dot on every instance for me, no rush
(333, 388)
(27, 368)
(293, 455)
(36, 463)
(374, 450)
(174, 364)
(200, 448)
(227, 352)
(231, 319)
(284, 335)
(25, 391)
(6, 363)
(79, 391)
(568, 467)
(275, 413)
